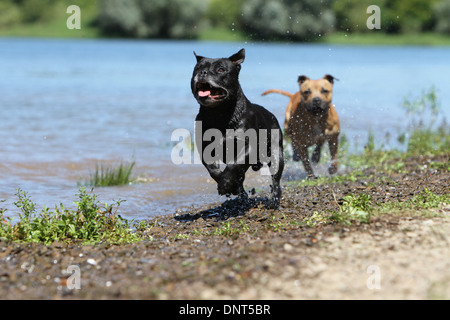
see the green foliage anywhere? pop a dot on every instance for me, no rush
(441, 12)
(424, 202)
(397, 16)
(354, 207)
(224, 13)
(90, 222)
(151, 19)
(111, 176)
(424, 137)
(292, 20)
(9, 14)
(229, 229)
(13, 12)
(361, 208)
(287, 19)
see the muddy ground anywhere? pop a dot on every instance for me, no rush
(231, 251)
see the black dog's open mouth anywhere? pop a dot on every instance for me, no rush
(205, 90)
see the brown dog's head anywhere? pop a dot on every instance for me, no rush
(316, 94)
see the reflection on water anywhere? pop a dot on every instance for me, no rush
(65, 105)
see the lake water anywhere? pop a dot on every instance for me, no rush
(66, 105)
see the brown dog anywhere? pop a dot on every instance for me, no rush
(311, 119)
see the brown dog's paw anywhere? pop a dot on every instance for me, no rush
(332, 169)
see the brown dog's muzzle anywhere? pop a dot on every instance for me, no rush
(317, 107)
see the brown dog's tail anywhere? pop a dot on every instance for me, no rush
(290, 95)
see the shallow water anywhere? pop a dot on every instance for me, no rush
(66, 105)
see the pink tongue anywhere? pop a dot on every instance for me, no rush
(204, 93)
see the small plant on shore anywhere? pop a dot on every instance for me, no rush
(90, 222)
(105, 176)
(354, 207)
(423, 135)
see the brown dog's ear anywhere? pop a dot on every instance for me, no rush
(238, 57)
(198, 57)
(330, 78)
(302, 79)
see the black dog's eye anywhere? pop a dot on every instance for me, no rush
(325, 91)
(307, 92)
(220, 70)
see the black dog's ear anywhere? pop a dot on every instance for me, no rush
(302, 79)
(330, 78)
(238, 57)
(198, 57)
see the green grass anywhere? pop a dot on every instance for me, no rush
(361, 208)
(106, 176)
(222, 34)
(379, 38)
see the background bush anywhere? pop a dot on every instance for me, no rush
(224, 13)
(155, 19)
(397, 16)
(13, 12)
(287, 19)
(441, 12)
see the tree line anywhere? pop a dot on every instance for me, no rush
(297, 20)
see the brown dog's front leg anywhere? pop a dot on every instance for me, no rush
(333, 144)
(303, 153)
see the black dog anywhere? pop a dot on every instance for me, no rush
(238, 133)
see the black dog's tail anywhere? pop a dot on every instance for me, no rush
(290, 95)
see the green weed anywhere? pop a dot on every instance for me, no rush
(354, 207)
(111, 176)
(228, 229)
(90, 222)
(316, 219)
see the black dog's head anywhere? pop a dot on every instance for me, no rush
(215, 81)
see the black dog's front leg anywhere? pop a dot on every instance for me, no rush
(214, 170)
(232, 180)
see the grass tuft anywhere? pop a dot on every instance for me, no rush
(111, 176)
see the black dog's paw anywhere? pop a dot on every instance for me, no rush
(272, 203)
(227, 187)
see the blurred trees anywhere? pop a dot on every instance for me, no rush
(287, 19)
(151, 19)
(13, 12)
(442, 16)
(397, 16)
(297, 20)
